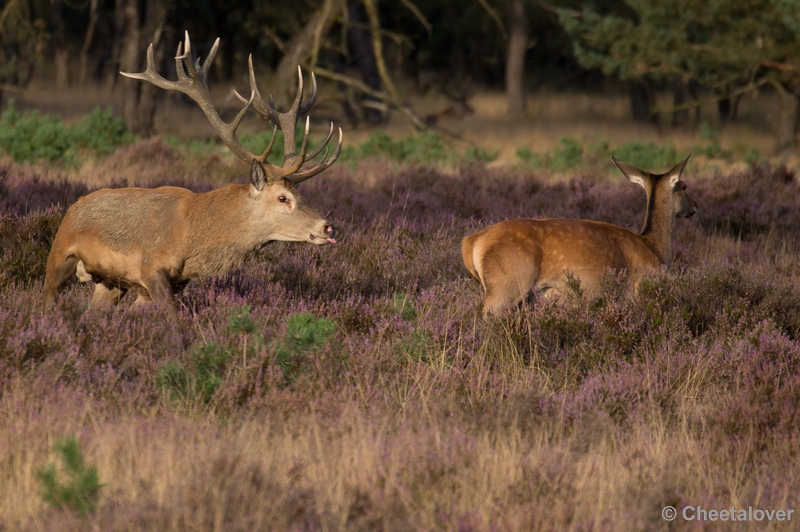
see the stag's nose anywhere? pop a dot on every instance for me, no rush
(330, 233)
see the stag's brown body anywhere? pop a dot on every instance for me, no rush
(154, 241)
(512, 257)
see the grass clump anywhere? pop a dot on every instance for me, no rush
(200, 379)
(305, 333)
(81, 490)
(29, 136)
(402, 305)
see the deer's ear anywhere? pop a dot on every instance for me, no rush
(634, 174)
(676, 171)
(258, 178)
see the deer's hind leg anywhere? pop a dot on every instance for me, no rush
(508, 274)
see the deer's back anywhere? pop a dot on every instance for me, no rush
(555, 245)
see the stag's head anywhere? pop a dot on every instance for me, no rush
(278, 209)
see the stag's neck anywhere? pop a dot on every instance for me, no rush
(659, 223)
(219, 237)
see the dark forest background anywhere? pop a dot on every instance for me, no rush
(700, 51)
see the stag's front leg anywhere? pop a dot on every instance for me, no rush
(158, 289)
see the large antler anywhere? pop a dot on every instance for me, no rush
(193, 82)
(287, 122)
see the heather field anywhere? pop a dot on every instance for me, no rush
(356, 387)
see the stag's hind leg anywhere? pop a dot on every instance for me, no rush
(59, 269)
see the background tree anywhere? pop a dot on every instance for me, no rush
(144, 24)
(23, 41)
(730, 47)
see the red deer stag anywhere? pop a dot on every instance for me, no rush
(512, 257)
(155, 240)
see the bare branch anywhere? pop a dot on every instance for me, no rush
(750, 87)
(377, 46)
(417, 13)
(388, 99)
(557, 10)
(495, 16)
(276, 40)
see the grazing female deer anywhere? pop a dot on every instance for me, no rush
(155, 240)
(511, 257)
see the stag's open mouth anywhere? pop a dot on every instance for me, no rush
(325, 239)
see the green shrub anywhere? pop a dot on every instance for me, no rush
(566, 156)
(81, 491)
(425, 148)
(304, 334)
(28, 136)
(527, 156)
(100, 133)
(753, 157)
(200, 379)
(714, 149)
(647, 155)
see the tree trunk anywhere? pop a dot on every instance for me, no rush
(61, 59)
(138, 98)
(515, 59)
(113, 65)
(642, 101)
(787, 127)
(62, 68)
(364, 56)
(83, 69)
(154, 28)
(130, 61)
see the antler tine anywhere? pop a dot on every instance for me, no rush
(306, 106)
(193, 82)
(287, 122)
(212, 54)
(299, 177)
(263, 157)
(322, 145)
(150, 73)
(291, 162)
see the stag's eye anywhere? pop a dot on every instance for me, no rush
(283, 199)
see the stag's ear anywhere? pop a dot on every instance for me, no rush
(258, 178)
(635, 175)
(676, 171)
